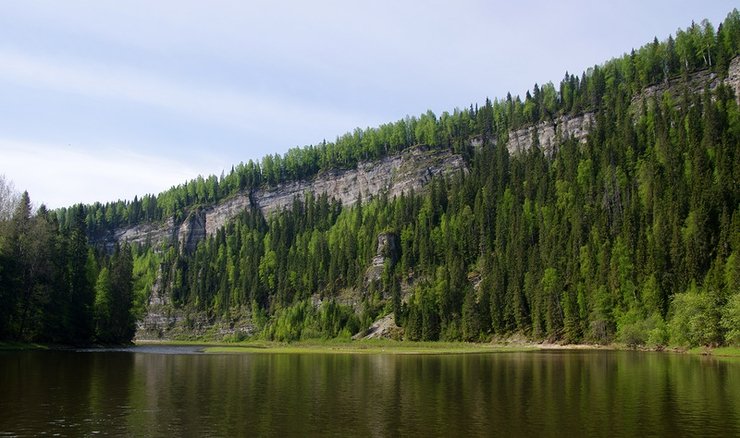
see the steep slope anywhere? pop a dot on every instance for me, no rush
(395, 174)
(409, 170)
(601, 210)
(549, 134)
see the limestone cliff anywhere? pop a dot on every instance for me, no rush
(550, 133)
(396, 174)
(388, 249)
(696, 83)
(393, 175)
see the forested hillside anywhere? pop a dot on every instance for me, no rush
(630, 235)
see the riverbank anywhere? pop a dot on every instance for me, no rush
(383, 346)
(374, 346)
(717, 352)
(386, 346)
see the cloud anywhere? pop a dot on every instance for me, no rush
(249, 112)
(61, 175)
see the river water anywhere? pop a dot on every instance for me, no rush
(178, 391)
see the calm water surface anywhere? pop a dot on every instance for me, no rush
(176, 391)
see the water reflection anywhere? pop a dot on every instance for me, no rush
(509, 394)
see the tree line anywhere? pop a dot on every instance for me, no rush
(630, 236)
(700, 46)
(54, 286)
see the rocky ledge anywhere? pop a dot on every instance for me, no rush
(409, 170)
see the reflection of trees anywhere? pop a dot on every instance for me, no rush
(511, 394)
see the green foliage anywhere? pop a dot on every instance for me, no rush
(303, 321)
(731, 320)
(634, 329)
(471, 318)
(50, 286)
(689, 316)
(628, 235)
(103, 304)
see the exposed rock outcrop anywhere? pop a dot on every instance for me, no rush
(218, 215)
(192, 231)
(694, 84)
(142, 234)
(165, 321)
(396, 174)
(383, 328)
(411, 169)
(388, 249)
(733, 77)
(160, 317)
(549, 134)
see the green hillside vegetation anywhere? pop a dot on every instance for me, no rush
(631, 237)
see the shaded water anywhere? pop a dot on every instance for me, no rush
(176, 391)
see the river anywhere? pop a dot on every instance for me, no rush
(178, 391)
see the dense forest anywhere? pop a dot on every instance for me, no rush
(55, 287)
(631, 236)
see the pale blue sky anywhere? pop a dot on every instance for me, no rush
(101, 100)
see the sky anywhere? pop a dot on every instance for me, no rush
(105, 100)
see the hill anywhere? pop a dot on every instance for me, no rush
(603, 209)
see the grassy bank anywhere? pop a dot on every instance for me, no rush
(350, 347)
(387, 346)
(733, 352)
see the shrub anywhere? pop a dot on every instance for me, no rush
(731, 320)
(689, 321)
(634, 330)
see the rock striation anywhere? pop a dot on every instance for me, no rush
(549, 134)
(694, 84)
(733, 77)
(409, 170)
(192, 230)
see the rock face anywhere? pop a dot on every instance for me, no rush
(192, 231)
(411, 169)
(217, 216)
(733, 77)
(383, 328)
(388, 249)
(393, 175)
(397, 174)
(142, 234)
(696, 83)
(165, 321)
(160, 316)
(550, 134)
